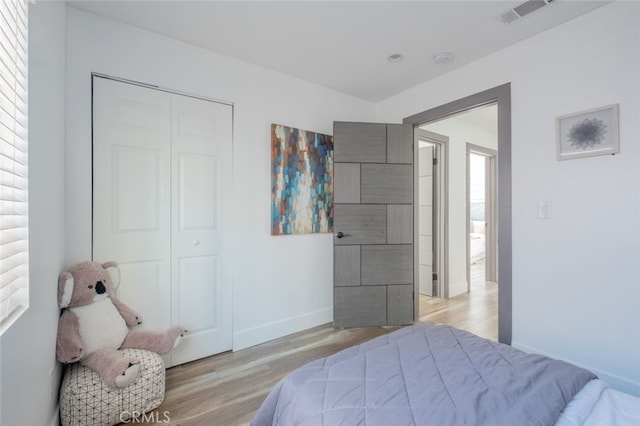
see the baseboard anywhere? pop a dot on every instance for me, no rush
(615, 382)
(254, 336)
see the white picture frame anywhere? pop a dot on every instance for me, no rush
(587, 133)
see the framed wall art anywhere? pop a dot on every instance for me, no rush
(301, 181)
(587, 133)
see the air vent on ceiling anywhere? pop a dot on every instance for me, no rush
(523, 10)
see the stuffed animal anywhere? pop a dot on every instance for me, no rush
(94, 324)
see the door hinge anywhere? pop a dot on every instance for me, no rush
(434, 276)
(435, 161)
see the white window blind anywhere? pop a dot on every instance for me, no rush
(14, 219)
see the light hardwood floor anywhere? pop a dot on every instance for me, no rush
(475, 311)
(227, 389)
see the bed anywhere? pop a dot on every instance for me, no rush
(439, 375)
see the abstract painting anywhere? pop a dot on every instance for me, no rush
(587, 133)
(301, 181)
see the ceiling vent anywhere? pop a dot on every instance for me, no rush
(523, 10)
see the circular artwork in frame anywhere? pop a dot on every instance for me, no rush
(587, 133)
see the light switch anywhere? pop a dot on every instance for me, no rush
(544, 210)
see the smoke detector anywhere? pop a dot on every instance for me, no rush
(523, 10)
(442, 57)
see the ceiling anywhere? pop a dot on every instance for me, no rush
(344, 45)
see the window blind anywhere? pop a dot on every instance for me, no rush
(14, 220)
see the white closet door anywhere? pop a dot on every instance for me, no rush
(201, 187)
(131, 194)
(162, 171)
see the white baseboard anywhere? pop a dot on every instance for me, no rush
(615, 382)
(254, 336)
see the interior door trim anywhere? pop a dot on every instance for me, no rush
(440, 231)
(491, 219)
(502, 96)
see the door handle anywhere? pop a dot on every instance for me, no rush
(341, 235)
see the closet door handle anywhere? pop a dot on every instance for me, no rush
(341, 235)
(196, 242)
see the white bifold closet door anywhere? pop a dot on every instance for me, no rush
(161, 196)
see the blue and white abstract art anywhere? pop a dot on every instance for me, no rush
(301, 181)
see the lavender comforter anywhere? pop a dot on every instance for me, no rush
(425, 375)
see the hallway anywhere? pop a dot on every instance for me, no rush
(475, 311)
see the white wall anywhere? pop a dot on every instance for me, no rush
(460, 133)
(576, 277)
(280, 284)
(27, 351)
(584, 258)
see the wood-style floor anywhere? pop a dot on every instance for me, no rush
(475, 311)
(227, 389)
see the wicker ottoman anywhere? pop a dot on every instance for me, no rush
(85, 399)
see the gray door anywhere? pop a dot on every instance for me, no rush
(373, 224)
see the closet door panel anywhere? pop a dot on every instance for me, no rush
(137, 189)
(201, 176)
(193, 290)
(131, 193)
(143, 281)
(198, 196)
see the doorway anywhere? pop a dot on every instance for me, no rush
(476, 125)
(500, 97)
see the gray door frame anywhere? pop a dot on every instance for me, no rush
(491, 273)
(440, 231)
(502, 96)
